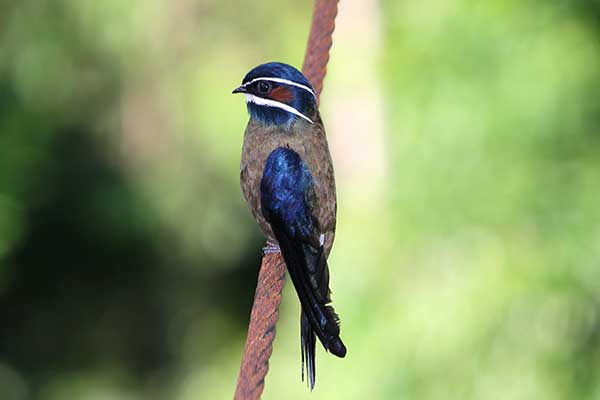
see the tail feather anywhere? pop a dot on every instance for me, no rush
(308, 269)
(308, 341)
(300, 258)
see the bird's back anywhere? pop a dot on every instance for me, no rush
(310, 142)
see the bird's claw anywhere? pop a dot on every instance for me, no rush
(270, 249)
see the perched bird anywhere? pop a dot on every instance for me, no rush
(287, 180)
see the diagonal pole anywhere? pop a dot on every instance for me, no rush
(267, 298)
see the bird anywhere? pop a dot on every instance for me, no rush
(287, 179)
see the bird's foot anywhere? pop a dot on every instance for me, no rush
(270, 248)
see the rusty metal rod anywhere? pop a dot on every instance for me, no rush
(271, 277)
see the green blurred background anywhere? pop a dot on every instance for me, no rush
(466, 142)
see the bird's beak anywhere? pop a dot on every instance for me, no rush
(240, 89)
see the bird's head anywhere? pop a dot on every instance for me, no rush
(278, 94)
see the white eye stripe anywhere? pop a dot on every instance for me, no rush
(284, 81)
(250, 98)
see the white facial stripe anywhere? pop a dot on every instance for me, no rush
(284, 81)
(250, 98)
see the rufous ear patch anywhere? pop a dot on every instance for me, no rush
(282, 94)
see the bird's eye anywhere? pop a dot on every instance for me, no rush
(264, 87)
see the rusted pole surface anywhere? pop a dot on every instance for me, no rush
(320, 40)
(267, 298)
(261, 330)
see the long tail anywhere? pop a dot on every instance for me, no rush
(308, 269)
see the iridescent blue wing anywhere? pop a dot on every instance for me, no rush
(287, 201)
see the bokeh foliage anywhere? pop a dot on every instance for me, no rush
(128, 259)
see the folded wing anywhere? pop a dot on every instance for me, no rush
(287, 201)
